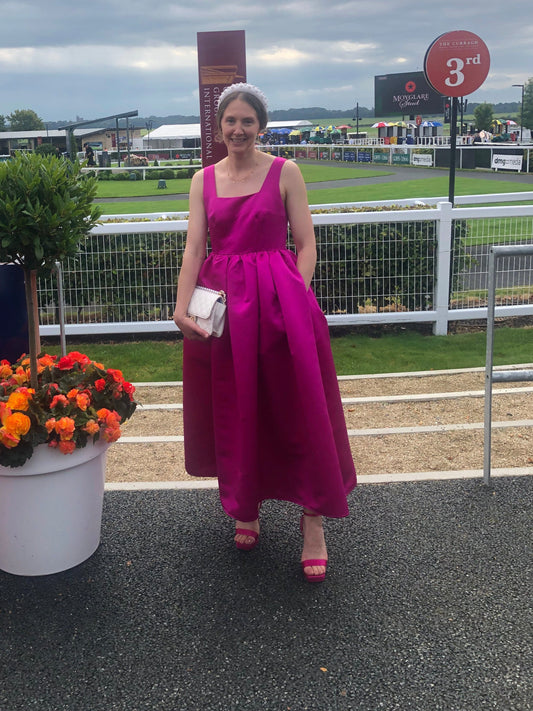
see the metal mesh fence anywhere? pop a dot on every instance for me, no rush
(367, 263)
(361, 268)
(377, 267)
(117, 278)
(514, 281)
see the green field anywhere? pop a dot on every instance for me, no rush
(416, 188)
(354, 353)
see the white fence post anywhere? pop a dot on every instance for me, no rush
(444, 248)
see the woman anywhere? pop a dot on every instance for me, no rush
(262, 409)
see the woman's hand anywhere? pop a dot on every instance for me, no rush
(190, 328)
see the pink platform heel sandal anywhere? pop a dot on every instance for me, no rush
(322, 562)
(246, 532)
(250, 533)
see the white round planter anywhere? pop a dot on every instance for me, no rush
(51, 510)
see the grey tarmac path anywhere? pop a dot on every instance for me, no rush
(427, 605)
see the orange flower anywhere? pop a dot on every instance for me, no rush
(83, 401)
(91, 428)
(8, 439)
(50, 424)
(19, 400)
(65, 427)
(45, 362)
(4, 412)
(111, 434)
(109, 417)
(67, 447)
(21, 376)
(5, 370)
(17, 424)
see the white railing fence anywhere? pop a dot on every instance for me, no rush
(387, 266)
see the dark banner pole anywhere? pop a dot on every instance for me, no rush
(453, 144)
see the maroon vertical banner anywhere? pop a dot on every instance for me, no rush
(221, 62)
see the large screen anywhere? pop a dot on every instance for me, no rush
(405, 94)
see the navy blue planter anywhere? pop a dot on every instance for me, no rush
(13, 320)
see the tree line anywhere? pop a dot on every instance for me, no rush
(28, 120)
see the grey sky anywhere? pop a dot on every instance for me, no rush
(67, 58)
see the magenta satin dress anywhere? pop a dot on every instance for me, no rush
(261, 405)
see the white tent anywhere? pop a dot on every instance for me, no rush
(173, 135)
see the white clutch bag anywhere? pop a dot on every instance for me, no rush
(207, 308)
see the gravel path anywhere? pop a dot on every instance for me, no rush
(384, 452)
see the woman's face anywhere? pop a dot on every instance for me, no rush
(239, 125)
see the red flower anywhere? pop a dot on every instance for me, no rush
(67, 447)
(100, 385)
(66, 363)
(80, 358)
(116, 375)
(58, 401)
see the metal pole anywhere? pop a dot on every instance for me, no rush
(491, 301)
(118, 141)
(453, 144)
(59, 274)
(128, 140)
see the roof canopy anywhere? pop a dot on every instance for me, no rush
(169, 132)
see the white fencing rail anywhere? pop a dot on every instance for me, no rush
(124, 280)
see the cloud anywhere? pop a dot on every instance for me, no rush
(325, 52)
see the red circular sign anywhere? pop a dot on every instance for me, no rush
(457, 63)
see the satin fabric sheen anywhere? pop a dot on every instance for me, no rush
(261, 405)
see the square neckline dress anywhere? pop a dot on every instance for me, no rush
(261, 404)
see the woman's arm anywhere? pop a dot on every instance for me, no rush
(193, 258)
(294, 193)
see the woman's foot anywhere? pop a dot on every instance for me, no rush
(314, 554)
(246, 534)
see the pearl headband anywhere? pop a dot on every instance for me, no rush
(245, 89)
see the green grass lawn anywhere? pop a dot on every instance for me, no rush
(355, 353)
(140, 188)
(143, 188)
(428, 187)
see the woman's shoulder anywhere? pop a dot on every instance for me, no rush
(290, 169)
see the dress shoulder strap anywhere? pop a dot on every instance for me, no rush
(274, 172)
(209, 183)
